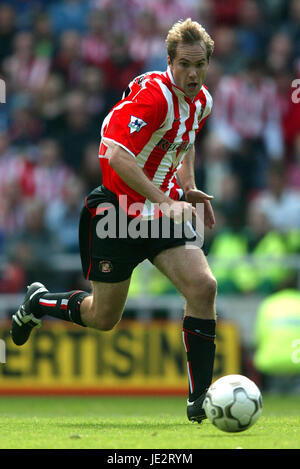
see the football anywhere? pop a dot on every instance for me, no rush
(233, 403)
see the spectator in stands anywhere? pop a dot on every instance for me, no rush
(27, 10)
(169, 11)
(226, 50)
(24, 68)
(33, 246)
(120, 67)
(50, 105)
(50, 174)
(15, 180)
(120, 14)
(227, 11)
(292, 25)
(26, 128)
(78, 129)
(214, 75)
(95, 45)
(90, 167)
(264, 243)
(257, 225)
(275, 12)
(93, 86)
(280, 54)
(11, 209)
(69, 14)
(204, 10)
(10, 163)
(67, 60)
(7, 30)
(44, 38)
(247, 120)
(279, 203)
(252, 31)
(12, 278)
(217, 165)
(65, 212)
(147, 44)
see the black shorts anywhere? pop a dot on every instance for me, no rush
(109, 256)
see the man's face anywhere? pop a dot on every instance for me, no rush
(189, 67)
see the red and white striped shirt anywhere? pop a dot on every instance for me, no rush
(157, 124)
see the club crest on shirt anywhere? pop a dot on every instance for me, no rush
(136, 124)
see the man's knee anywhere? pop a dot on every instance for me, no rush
(203, 288)
(211, 286)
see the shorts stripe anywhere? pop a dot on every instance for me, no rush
(185, 342)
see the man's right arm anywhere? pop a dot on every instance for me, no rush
(126, 167)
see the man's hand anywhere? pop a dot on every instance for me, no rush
(178, 211)
(194, 196)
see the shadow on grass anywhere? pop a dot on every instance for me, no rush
(231, 435)
(121, 426)
(157, 427)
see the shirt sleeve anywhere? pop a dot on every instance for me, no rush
(133, 121)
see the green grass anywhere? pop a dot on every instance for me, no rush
(137, 423)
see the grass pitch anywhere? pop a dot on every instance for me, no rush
(137, 423)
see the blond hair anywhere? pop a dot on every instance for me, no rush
(187, 32)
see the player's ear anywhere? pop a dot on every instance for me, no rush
(169, 60)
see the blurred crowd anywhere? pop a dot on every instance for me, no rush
(66, 63)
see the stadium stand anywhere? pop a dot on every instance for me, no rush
(65, 63)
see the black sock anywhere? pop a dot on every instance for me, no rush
(64, 306)
(199, 343)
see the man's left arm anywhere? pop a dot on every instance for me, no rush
(186, 176)
(186, 173)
